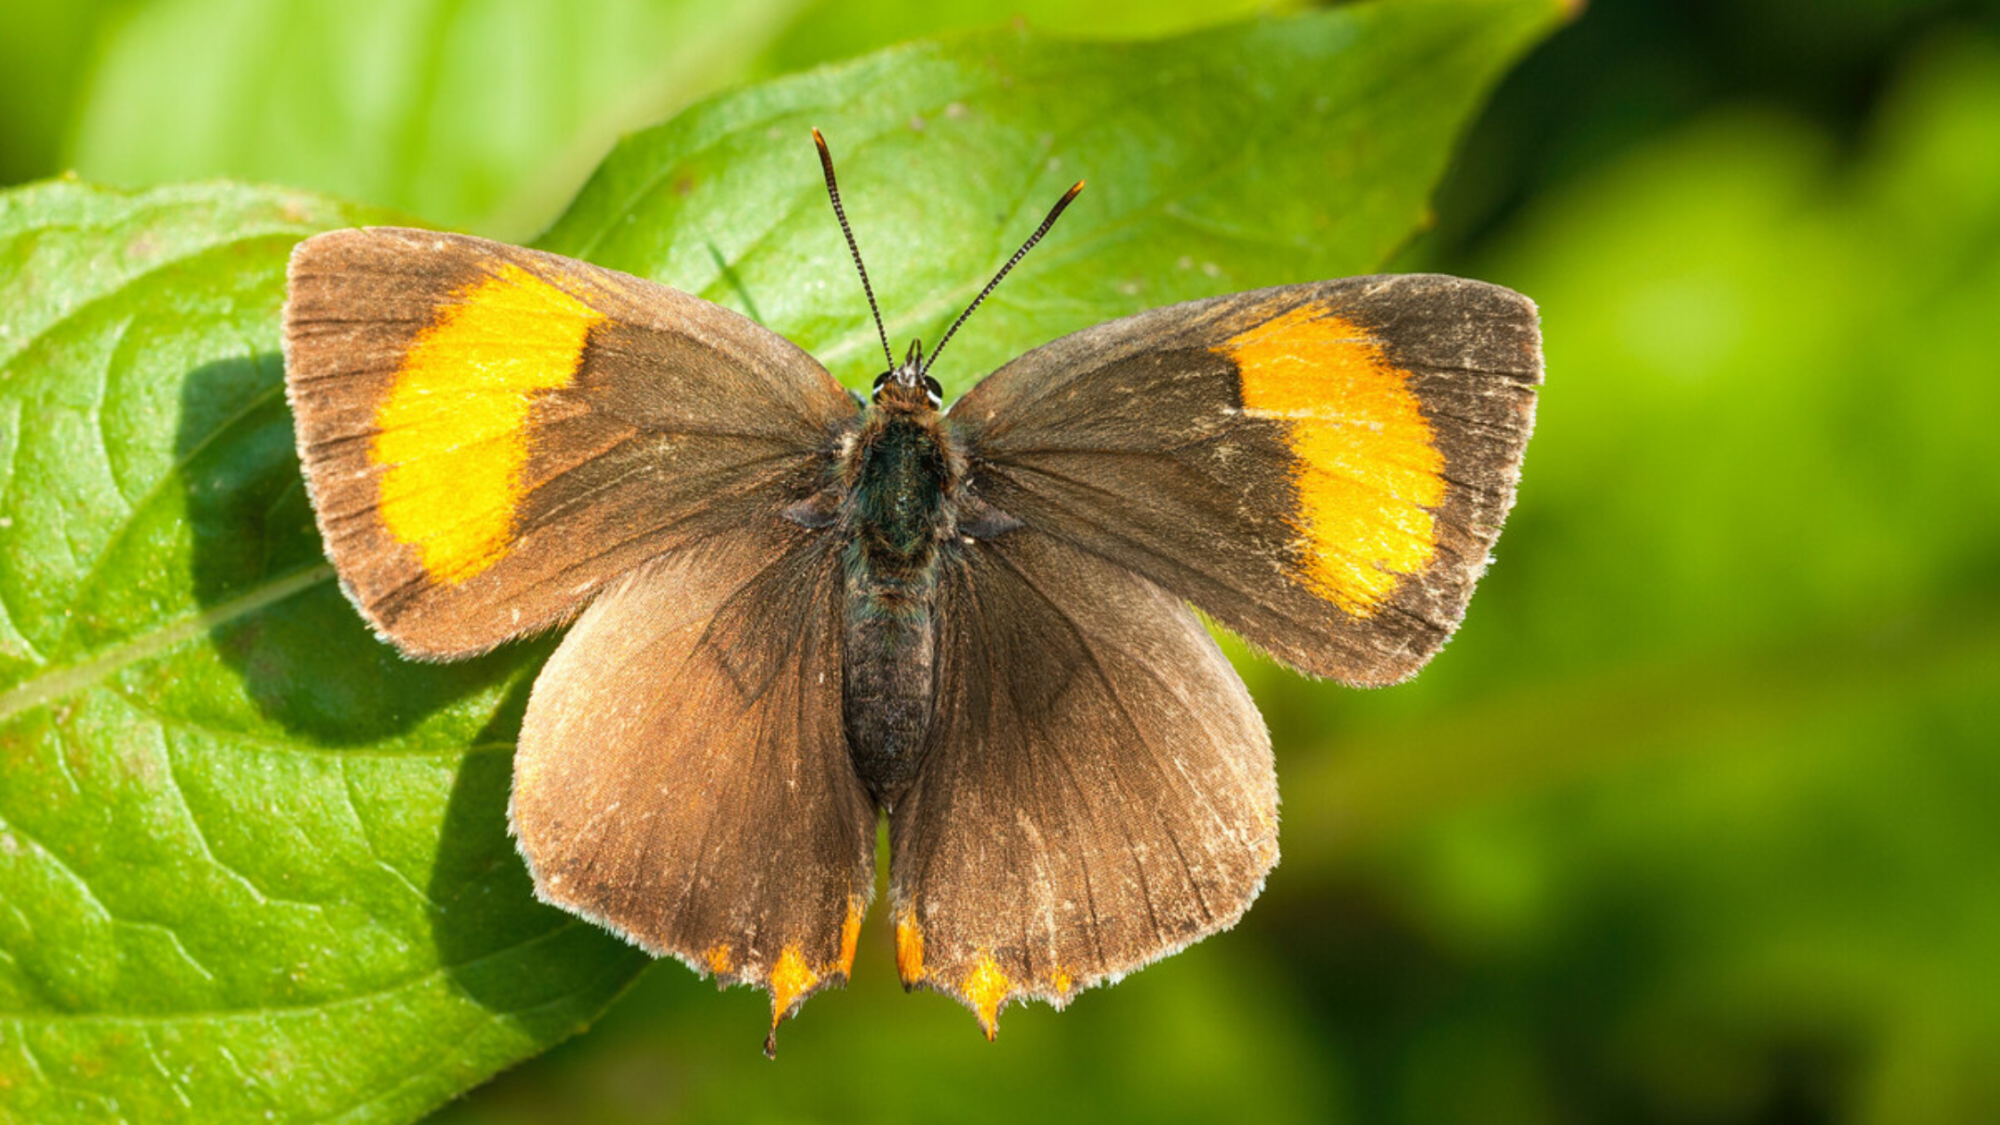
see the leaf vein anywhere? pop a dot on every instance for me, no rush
(50, 686)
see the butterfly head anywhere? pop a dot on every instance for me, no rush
(906, 387)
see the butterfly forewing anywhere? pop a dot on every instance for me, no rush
(1321, 467)
(490, 434)
(1097, 791)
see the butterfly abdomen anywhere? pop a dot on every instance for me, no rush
(900, 478)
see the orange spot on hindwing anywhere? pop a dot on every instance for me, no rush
(986, 987)
(719, 959)
(909, 947)
(452, 433)
(791, 979)
(850, 936)
(1367, 471)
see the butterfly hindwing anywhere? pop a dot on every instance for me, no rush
(1097, 790)
(1321, 467)
(683, 776)
(491, 434)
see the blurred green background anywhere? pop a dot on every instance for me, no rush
(1694, 822)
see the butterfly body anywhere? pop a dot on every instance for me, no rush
(900, 475)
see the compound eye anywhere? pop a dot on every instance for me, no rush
(882, 378)
(935, 390)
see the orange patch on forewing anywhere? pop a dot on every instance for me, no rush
(791, 978)
(1366, 468)
(1060, 981)
(986, 987)
(909, 947)
(850, 936)
(452, 433)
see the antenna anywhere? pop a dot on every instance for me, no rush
(1054, 214)
(833, 192)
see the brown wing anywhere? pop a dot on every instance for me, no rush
(1097, 790)
(1323, 468)
(490, 434)
(683, 778)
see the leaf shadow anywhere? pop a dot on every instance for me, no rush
(544, 970)
(309, 663)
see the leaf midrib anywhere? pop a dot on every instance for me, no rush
(266, 1011)
(38, 691)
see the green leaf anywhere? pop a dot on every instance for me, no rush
(452, 111)
(1263, 153)
(251, 862)
(825, 30)
(486, 114)
(253, 865)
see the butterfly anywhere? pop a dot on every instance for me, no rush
(793, 611)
